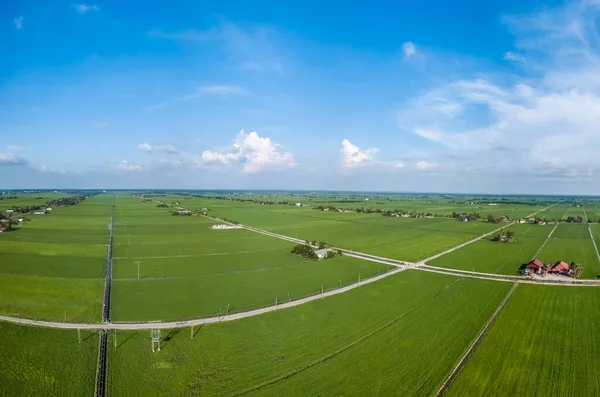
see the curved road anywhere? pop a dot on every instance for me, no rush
(400, 265)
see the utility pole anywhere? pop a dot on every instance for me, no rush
(138, 267)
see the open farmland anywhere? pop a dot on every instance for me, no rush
(577, 250)
(522, 354)
(47, 362)
(493, 257)
(399, 238)
(52, 267)
(188, 269)
(572, 231)
(351, 344)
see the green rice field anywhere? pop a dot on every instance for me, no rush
(521, 355)
(351, 344)
(47, 362)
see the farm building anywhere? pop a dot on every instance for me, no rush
(40, 211)
(298, 204)
(9, 211)
(559, 267)
(535, 266)
(2, 229)
(322, 253)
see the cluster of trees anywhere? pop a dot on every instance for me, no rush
(505, 236)
(574, 219)
(58, 202)
(305, 251)
(576, 270)
(183, 213)
(7, 197)
(163, 205)
(497, 219)
(461, 216)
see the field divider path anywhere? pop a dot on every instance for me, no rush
(476, 342)
(594, 241)
(545, 241)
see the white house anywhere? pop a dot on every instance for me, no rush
(298, 204)
(9, 211)
(322, 253)
(40, 211)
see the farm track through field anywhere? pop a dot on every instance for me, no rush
(475, 343)
(545, 241)
(594, 242)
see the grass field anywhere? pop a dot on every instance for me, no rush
(544, 343)
(55, 263)
(198, 271)
(47, 362)
(358, 343)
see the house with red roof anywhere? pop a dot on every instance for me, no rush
(535, 266)
(559, 267)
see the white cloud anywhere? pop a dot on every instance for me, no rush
(254, 152)
(399, 164)
(18, 21)
(223, 90)
(408, 48)
(513, 56)
(124, 165)
(10, 158)
(84, 8)
(15, 148)
(163, 148)
(352, 156)
(542, 123)
(425, 166)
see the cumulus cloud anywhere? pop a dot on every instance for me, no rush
(163, 148)
(18, 21)
(124, 165)
(84, 8)
(408, 48)
(352, 156)
(254, 152)
(399, 164)
(10, 159)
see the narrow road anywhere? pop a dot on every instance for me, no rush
(594, 242)
(545, 241)
(208, 320)
(475, 343)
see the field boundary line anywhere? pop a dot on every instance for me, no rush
(545, 241)
(475, 344)
(594, 242)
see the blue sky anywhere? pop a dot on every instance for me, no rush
(491, 97)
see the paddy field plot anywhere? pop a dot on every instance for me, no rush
(492, 257)
(572, 230)
(384, 338)
(189, 270)
(55, 263)
(38, 361)
(398, 238)
(544, 343)
(573, 250)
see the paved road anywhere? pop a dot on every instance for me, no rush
(208, 320)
